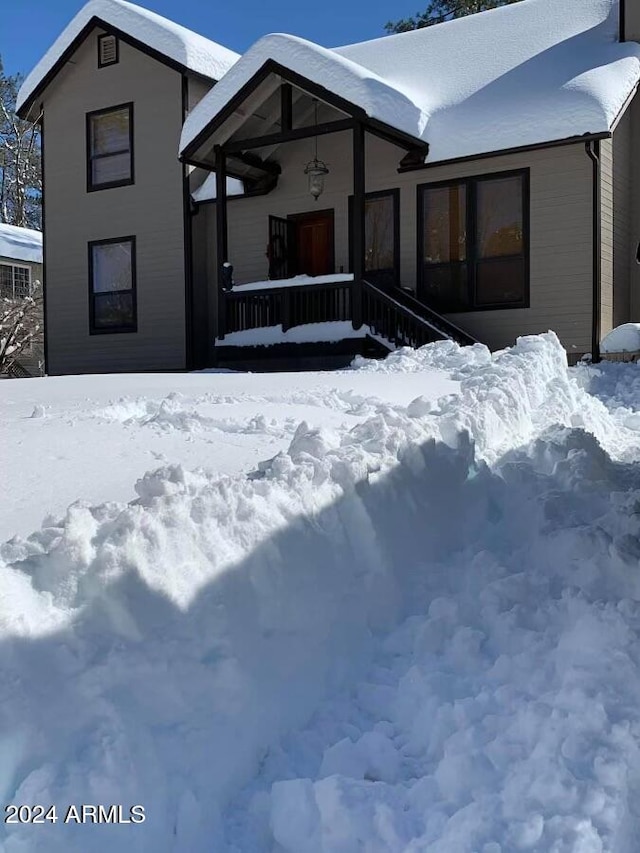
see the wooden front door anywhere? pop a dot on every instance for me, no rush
(314, 243)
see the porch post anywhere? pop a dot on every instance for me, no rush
(222, 249)
(357, 230)
(286, 107)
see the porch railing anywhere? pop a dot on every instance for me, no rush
(287, 306)
(394, 317)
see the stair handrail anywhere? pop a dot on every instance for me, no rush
(439, 323)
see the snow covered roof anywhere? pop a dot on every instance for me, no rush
(20, 244)
(322, 66)
(535, 71)
(184, 47)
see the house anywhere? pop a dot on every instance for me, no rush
(472, 180)
(20, 261)
(20, 276)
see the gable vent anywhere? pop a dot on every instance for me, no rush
(107, 50)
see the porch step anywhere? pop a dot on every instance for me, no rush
(297, 357)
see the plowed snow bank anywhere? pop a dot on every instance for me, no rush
(475, 556)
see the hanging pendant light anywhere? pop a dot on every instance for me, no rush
(316, 169)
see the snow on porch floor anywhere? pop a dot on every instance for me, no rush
(310, 333)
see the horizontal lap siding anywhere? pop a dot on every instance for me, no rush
(622, 250)
(561, 228)
(151, 209)
(249, 218)
(560, 249)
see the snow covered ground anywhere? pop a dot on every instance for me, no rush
(376, 619)
(90, 438)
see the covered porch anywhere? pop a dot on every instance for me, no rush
(307, 209)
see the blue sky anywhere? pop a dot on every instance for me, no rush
(30, 26)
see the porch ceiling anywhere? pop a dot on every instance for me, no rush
(258, 116)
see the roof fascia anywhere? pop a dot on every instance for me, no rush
(521, 149)
(624, 108)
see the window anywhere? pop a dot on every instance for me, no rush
(110, 148)
(473, 243)
(107, 50)
(112, 285)
(382, 237)
(15, 281)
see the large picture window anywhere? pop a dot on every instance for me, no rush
(474, 243)
(110, 148)
(112, 285)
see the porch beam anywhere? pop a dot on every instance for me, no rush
(255, 162)
(286, 107)
(358, 234)
(222, 248)
(288, 135)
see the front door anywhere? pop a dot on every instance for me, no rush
(314, 243)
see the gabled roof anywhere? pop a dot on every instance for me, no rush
(20, 244)
(181, 47)
(361, 87)
(524, 74)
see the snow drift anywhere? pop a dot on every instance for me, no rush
(417, 634)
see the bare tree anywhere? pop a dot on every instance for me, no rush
(439, 11)
(20, 329)
(20, 162)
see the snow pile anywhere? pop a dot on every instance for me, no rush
(20, 244)
(625, 338)
(143, 421)
(191, 50)
(415, 634)
(531, 73)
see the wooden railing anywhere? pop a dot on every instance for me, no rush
(395, 317)
(287, 306)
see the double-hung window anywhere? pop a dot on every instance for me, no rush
(15, 281)
(474, 243)
(110, 147)
(112, 285)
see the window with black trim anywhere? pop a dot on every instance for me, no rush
(381, 236)
(110, 147)
(112, 285)
(473, 237)
(107, 50)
